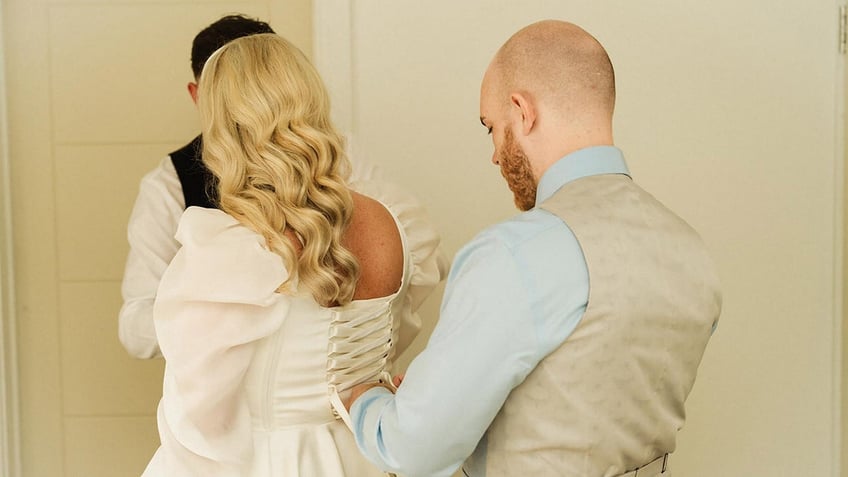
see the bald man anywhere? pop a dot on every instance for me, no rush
(531, 371)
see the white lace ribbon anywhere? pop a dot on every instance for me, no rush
(358, 352)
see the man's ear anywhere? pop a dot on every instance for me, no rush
(192, 90)
(525, 108)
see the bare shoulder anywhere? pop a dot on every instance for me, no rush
(370, 212)
(373, 237)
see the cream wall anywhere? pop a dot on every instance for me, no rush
(8, 354)
(727, 112)
(96, 96)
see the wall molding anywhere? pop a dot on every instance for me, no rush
(840, 248)
(332, 52)
(9, 405)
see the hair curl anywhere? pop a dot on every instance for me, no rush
(280, 164)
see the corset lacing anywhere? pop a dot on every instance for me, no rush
(357, 353)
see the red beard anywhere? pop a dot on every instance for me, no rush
(515, 168)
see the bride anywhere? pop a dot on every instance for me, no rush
(296, 289)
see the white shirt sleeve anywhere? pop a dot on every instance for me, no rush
(150, 232)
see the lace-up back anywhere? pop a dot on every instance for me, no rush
(358, 352)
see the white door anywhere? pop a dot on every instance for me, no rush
(96, 98)
(727, 112)
(9, 421)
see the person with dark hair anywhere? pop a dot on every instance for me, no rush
(218, 34)
(571, 334)
(182, 180)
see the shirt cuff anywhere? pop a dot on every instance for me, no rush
(366, 414)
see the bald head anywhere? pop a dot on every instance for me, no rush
(560, 65)
(548, 92)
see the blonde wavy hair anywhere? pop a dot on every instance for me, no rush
(280, 164)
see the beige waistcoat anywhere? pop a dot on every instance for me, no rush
(610, 398)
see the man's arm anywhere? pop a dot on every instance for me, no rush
(150, 232)
(502, 313)
(480, 350)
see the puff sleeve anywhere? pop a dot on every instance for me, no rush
(215, 301)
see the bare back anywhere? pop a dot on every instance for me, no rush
(374, 239)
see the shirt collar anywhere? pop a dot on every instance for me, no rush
(586, 162)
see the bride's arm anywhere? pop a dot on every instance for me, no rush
(216, 300)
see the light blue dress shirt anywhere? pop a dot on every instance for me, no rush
(514, 294)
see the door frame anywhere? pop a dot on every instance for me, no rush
(9, 405)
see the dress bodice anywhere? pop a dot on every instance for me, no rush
(254, 379)
(300, 372)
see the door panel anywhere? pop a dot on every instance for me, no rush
(96, 98)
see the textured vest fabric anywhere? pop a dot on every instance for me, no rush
(197, 181)
(610, 398)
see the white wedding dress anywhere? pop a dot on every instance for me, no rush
(254, 378)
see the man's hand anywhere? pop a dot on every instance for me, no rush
(360, 389)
